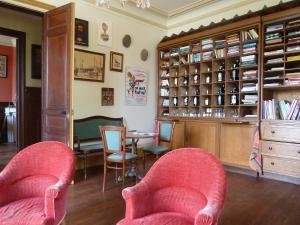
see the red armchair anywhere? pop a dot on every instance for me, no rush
(185, 187)
(33, 186)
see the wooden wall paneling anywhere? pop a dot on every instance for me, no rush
(236, 143)
(179, 135)
(202, 134)
(32, 113)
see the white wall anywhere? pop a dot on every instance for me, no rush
(32, 26)
(87, 95)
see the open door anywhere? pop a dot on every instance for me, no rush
(58, 53)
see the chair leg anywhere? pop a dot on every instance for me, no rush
(85, 159)
(104, 177)
(116, 177)
(123, 175)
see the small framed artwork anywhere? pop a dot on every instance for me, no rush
(104, 35)
(81, 32)
(3, 66)
(89, 66)
(107, 97)
(36, 61)
(116, 61)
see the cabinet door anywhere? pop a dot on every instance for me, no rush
(202, 135)
(236, 143)
(178, 135)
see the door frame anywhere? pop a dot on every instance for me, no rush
(20, 68)
(20, 82)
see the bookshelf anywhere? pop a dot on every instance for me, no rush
(214, 77)
(281, 69)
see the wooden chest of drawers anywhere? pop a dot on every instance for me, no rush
(280, 147)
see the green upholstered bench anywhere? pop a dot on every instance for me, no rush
(87, 136)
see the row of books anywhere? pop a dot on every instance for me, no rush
(293, 58)
(275, 60)
(249, 35)
(284, 110)
(249, 87)
(249, 74)
(250, 99)
(294, 40)
(273, 38)
(233, 50)
(207, 44)
(233, 39)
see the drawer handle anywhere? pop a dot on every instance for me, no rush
(272, 163)
(273, 131)
(270, 148)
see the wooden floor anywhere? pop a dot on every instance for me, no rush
(249, 202)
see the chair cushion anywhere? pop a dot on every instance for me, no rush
(159, 219)
(156, 149)
(29, 211)
(118, 156)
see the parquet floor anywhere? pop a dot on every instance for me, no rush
(249, 202)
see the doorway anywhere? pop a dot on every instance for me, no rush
(8, 99)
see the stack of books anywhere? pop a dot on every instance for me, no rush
(249, 87)
(275, 52)
(249, 60)
(273, 38)
(273, 84)
(275, 60)
(293, 23)
(233, 39)
(294, 32)
(197, 57)
(276, 68)
(294, 40)
(207, 44)
(249, 35)
(233, 50)
(220, 44)
(207, 55)
(293, 48)
(196, 47)
(249, 48)
(185, 49)
(293, 78)
(249, 74)
(250, 99)
(293, 58)
(274, 27)
(174, 52)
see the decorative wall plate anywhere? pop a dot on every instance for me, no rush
(144, 54)
(126, 41)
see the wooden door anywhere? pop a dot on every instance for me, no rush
(58, 53)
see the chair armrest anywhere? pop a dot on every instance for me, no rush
(209, 214)
(52, 193)
(138, 201)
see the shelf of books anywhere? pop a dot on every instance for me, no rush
(215, 77)
(281, 70)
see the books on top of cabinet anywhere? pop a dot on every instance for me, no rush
(249, 35)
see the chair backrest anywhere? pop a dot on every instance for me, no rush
(114, 139)
(192, 172)
(165, 130)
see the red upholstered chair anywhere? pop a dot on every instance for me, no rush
(34, 184)
(184, 187)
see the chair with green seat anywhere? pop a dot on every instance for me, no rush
(165, 131)
(115, 155)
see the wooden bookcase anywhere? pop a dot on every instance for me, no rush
(191, 88)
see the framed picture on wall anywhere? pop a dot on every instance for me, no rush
(89, 66)
(36, 61)
(81, 32)
(3, 66)
(104, 32)
(107, 97)
(116, 61)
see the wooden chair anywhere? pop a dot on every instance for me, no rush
(115, 155)
(165, 131)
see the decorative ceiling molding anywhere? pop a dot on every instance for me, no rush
(37, 4)
(265, 10)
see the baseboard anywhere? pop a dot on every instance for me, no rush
(267, 175)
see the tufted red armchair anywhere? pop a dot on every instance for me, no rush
(185, 187)
(34, 184)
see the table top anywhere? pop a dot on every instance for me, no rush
(141, 134)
